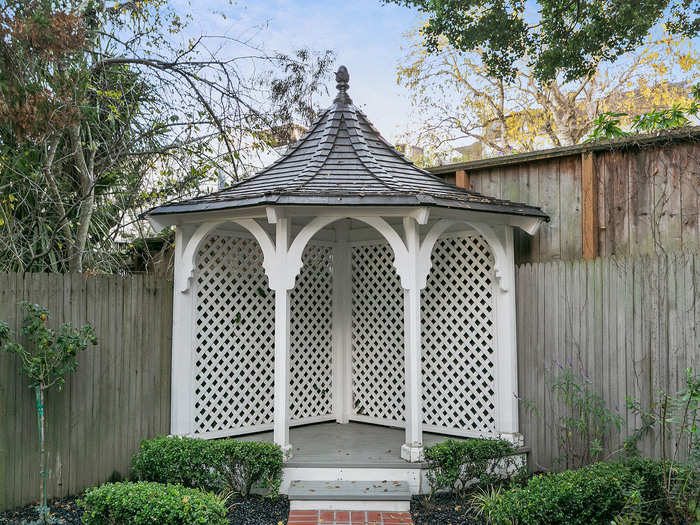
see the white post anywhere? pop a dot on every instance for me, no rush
(412, 449)
(506, 364)
(282, 340)
(342, 324)
(182, 368)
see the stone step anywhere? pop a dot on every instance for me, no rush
(386, 495)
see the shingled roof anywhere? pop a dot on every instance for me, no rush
(344, 161)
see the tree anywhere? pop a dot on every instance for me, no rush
(108, 110)
(456, 97)
(561, 38)
(52, 354)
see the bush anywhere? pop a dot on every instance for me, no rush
(595, 494)
(186, 461)
(244, 464)
(212, 465)
(149, 503)
(456, 465)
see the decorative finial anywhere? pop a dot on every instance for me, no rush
(342, 77)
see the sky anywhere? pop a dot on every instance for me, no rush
(366, 36)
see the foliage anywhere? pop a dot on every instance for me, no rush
(673, 420)
(608, 125)
(591, 495)
(245, 464)
(455, 99)
(145, 503)
(49, 357)
(106, 109)
(586, 423)
(558, 37)
(457, 465)
(225, 464)
(182, 460)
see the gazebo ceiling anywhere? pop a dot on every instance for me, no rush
(344, 161)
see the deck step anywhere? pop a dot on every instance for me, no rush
(385, 495)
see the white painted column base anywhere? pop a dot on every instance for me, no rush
(287, 452)
(512, 437)
(412, 453)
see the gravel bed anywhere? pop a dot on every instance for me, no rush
(257, 510)
(65, 508)
(249, 511)
(443, 509)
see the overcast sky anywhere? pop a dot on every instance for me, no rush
(366, 36)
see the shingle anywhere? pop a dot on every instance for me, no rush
(343, 159)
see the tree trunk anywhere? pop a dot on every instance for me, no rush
(87, 188)
(41, 421)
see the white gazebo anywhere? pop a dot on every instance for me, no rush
(342, 283)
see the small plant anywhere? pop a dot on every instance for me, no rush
(144, 503)
(245, 464)
(675, 421)
(186, 461)
(458, 465)
(587, 422)
(45, 362)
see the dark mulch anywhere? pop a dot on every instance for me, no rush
(258, 511)
(443, 509)
(65, 508)
(250, 511)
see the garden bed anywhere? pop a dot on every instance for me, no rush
(442, 509)
(246, 511)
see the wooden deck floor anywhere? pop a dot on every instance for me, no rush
(351, 445)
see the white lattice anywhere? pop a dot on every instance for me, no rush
(458, 337)
(377, 335)
(311, 353)
(234, 338)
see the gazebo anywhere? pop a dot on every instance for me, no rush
(343, 283)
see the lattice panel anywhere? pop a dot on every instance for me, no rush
(311, 353)
(458, 337)
(377, 334)
(234, 337)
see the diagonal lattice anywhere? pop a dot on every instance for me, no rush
(377, 334)
(311, 353)
(458, 337)
(234, 338)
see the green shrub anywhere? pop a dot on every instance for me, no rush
(145, 503)
(595, 494)
(212, 465)
(245, 464)
(456, 465)
(186, 461)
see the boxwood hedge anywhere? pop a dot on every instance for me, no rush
(145, 503)
(209, 464)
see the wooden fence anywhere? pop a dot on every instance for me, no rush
(624, 197)
(120, 393)
(632, 324)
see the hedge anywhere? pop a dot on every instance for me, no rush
(456, 465)
(145, 503)
(210, 465)
(595, 494)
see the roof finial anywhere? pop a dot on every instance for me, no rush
(342, 77)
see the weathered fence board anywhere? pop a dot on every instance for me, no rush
(629, 323)
(120, 393)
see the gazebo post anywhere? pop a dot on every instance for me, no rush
(282, 337)
(412, 449)
(507, 425)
